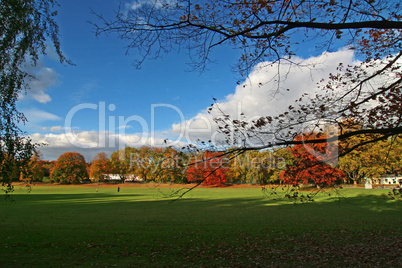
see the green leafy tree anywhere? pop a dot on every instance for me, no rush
(25, 29)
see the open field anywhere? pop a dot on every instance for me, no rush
(55, 226)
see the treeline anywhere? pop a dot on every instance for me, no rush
(164, 165)
(291, 165)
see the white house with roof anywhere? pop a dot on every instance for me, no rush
(388, 179)
(119, 177)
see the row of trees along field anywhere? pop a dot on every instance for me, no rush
(291, 165)
(369, 92)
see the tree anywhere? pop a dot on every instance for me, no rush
(70, 168)
(47, 167)
(239, 168)
(370, 160)
(352, 163)
(254, 167)
(142, 163)
(208, 168)
(100, 165)
(383, 158)
(120, 162)
(26, 26)
(34, 170)
(266, 30)
(171, 167)
(308, 168)
(132, 161)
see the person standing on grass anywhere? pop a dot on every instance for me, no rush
(118, 189)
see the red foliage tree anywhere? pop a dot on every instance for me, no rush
(208, 168)
(69, 168)
(311, 162)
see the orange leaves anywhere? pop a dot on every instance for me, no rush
(100, 165)
(33, 171)
(377, 34)
(70, 168)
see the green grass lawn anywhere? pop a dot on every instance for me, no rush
(55, 226)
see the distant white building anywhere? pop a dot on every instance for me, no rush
(118, 177)
(388, 179)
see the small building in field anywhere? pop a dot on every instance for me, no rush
(388, 179)
(121, 177)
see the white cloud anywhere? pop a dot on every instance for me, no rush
(257, 96)
(36, 116)
(42, 78)
(41, 96)
(264, 92)
(154, 3)
(56, 129)
(89, 143)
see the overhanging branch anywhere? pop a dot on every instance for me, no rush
(385, 131)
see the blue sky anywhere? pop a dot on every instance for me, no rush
(103, 72)
(103, 86)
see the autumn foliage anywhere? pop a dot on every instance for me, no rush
(99, 165)
(70, 167)
(311, 163)
(208, 168)
(369, 90)
(33, 171)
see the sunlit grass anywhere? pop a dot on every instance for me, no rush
(139, 226)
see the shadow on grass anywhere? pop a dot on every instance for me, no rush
(344, 206)
(136, 229)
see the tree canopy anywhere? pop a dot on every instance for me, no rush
(99, 165)
(263, 29)
(308, 168)
(70, 168)
(208, 168)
